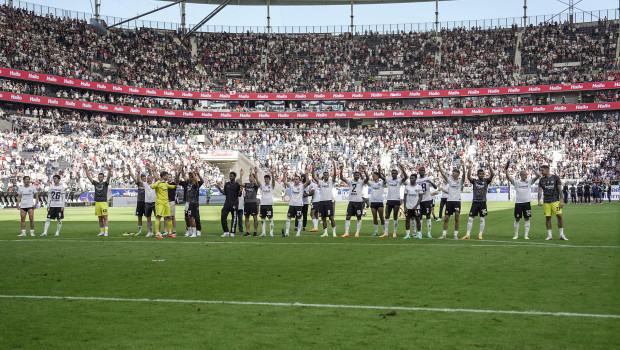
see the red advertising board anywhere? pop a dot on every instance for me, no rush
(85, 84)
(107, 108)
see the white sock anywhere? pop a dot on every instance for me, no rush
(58, 226)
(47, 225)
(429, 226)
(106, 229)
(288, 225)
(516, 225)
(347, 224)
(359, 227)
(527, 227)
(315, 222)
(385, 226)
(376, 228)
(299, 229)
(470, 223)
(445, 232)
(481, 226)
(549, 233)
(407, 233)
(415, 232)
(271, 226)
(456, 233)
(325, 230)
(334, 230)
(395, 225)
(140, 229)
(561, 231)
(24, 231)
(32, 232)
(263, 226)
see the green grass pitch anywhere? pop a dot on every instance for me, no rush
(140, 293)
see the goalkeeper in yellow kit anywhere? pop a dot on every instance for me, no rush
(162, 206)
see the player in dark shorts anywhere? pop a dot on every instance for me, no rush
(232, 190)
(140, 204)
(549, 189)
(573, 194)
(250, 203)
(266, 202)
(479, 201)
(192, 188)
(453, 203)
(195, 213)
(412, 200)
(356, 202)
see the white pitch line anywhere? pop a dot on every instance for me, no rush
(275, 241)
(331, 306)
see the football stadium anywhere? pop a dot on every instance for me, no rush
(320, 174)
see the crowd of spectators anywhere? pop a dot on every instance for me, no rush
(62, 141)
(250, 62)
(578, 146)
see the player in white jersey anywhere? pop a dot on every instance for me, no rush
(444, 198)
(296, 202)
(453, 203)
(266, 202)
(304, 211)
(412, 201)
(326, 210)
(27, 200)
(377, 184)
(56, 206)
(426, 208)
(394, 184)
(356, 203)
(314, 191)
(523, 189)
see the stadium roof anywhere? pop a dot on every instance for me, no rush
(303, 2)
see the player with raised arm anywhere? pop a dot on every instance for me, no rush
(453, 203)
(413, 199)
(306, 201)
(194, 183)
(394, 184)
(250, 203)
(426, 207)
(377, 184)
(479, 202)
(27, 200)
(296, 202)
(266, 201)
(549, 189)
(162, 204)
(101, 199)
(523, 190)
(356, 203)
(232, 190)
(172, 201)
(186, 184)
(150, 198)
(56, 207)
(326, 184)
(140, 204)
(316, 205)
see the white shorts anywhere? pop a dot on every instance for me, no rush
(172, 208)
